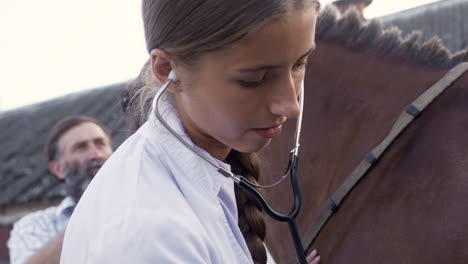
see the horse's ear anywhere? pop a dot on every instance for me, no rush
(56, 168)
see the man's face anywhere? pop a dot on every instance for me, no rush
(84, 145)
(82, 151)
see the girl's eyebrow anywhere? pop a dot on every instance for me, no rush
(264, 67)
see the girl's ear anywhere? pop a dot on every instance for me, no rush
(161, 67)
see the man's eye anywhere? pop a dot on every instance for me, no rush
(80, 147)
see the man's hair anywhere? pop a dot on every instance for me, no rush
(63, 126)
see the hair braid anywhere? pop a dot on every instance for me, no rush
(251, 218)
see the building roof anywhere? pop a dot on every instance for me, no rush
(24, 176)
(446, 19)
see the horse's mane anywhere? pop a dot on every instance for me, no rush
(371, 35)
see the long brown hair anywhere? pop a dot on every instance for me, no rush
(188, 29)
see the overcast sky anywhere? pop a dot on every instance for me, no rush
(50, 48)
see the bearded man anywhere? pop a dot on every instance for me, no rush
(77, 148)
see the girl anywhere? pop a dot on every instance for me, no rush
(239, 66)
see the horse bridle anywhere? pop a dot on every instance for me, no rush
(411, 112)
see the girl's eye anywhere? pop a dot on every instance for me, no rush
(253, 80)
(250, 84)
(300, 66)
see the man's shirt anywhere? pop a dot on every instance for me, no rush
(34, 230)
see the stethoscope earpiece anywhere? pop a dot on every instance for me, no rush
(172, 76)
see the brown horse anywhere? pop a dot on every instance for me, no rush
(412, 207)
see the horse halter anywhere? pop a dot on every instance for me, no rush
(248, 186)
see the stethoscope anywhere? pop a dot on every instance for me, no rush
(244, 184)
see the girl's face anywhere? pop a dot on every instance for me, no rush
(239, 97)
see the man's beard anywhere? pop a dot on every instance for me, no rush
(78, 177)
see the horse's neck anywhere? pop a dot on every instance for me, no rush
(354, 98)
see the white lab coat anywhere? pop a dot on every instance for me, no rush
(155, 201)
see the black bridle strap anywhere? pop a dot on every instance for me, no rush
(411, 112)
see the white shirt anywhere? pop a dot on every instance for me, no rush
(155, 201)
(34, 230)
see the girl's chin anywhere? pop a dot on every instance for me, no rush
(253, 146)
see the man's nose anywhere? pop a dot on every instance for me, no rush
(284, 101)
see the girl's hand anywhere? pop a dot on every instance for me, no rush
(313, 257)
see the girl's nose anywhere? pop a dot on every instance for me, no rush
(284, 101)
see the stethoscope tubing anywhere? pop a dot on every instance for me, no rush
(290, 217)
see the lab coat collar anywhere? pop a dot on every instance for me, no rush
(203, 175)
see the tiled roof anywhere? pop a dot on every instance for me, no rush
(446, 19)
(23, 168)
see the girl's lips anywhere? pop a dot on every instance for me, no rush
(269, 132)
